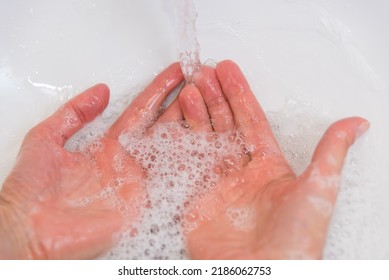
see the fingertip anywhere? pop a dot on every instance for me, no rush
(231, 78)
(164, 82)
(189, 97)
(332, 149)
(102, 89)
(175, 65)
(227, 63)
(352, 128)
(102, 92)
(146, 107)
(194, 108)
(362, 128)
(91, 102)
(227, 68)
(176, 69)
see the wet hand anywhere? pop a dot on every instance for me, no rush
(42, 214)
(260, 209)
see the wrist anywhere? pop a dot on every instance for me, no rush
(13, 235)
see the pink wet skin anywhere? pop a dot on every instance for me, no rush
(289, 215)
(38, 219)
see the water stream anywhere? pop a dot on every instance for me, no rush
(187, 44)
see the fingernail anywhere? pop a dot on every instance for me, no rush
(362, 128)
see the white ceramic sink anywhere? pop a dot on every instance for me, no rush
(309, 62)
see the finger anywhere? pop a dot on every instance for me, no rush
(332, 149)
(319, 184)
(248, 114)
(218, 108)
(322, 177)
(73, 115)
(172, 114)
(194, 109)
(145, 108)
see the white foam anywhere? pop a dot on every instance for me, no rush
(180, 168)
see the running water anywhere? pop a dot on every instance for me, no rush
(187, 44)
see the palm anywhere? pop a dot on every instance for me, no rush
(259, 208)
(240, 223)
(253, 218)
(77, 176)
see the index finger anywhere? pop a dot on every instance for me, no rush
(144, 109)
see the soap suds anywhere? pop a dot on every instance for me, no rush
(181, 166)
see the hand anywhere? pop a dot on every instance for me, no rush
(38, 215)
(260, 209)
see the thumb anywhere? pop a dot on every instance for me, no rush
(332, 149)
(71, 117)
(320, 182)
(328, 158)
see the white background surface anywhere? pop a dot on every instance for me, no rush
(309, 62)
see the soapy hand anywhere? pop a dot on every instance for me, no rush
(259, 208)
(41, 211)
